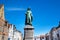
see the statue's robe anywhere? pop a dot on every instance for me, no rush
(28, 17)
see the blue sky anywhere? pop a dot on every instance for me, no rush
(46, 14)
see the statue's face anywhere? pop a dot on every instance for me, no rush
(29, 12)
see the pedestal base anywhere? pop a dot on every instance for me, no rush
(28, 32)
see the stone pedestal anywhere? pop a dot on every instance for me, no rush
(28, 32)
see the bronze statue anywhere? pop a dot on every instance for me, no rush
(29, 18)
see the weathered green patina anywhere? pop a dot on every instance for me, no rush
(29, 17)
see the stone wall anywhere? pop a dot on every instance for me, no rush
(28, 32)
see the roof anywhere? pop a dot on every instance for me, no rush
(58, 25)
(18, 31)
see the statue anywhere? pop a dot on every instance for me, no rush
(29, 18)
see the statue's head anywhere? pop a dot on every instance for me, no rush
(28, 9)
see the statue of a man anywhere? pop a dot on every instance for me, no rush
(29, 17)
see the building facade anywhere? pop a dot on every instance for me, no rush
(18, 35)
(14, 34)
(55, 33)
(11, 32)
(3, 24)
(58, 31)
(7, 31)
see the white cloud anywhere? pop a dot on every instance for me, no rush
(15, 9)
